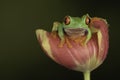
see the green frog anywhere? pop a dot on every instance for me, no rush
(76, 28)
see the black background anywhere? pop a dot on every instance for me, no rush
(21, 57)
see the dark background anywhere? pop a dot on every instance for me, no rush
(21, 57)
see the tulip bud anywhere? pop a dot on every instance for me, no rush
(78, 57)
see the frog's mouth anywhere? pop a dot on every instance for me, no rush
(76, 31)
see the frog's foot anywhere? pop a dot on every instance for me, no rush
(81, 40)
(65, 41)
(54, 34)
(61, 44)
(68, 42)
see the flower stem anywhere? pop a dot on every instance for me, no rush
(86, 75)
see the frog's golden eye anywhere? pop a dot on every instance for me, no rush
(87, 21)
(67, 20)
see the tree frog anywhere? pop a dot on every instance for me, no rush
(73, 27)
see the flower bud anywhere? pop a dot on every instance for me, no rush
(78, 57)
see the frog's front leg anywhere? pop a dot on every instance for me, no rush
(61, 36)
(55, 29)
(87, 37)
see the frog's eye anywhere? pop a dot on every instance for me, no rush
(87, 21)
(67, 20)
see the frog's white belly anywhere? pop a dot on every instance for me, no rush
(78, 32)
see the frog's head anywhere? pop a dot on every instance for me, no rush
(76, 25)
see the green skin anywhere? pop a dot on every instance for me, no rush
(77, 26)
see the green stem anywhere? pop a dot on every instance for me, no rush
(87, 75)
